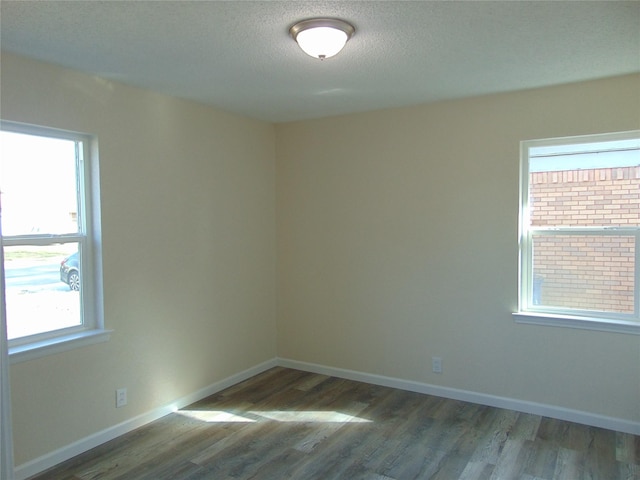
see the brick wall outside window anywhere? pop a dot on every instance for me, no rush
(582, 271)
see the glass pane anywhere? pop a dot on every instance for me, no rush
(584, 272)
(589, 188)
(38, 184)
(42, 288)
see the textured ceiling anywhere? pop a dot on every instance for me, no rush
(237, 55)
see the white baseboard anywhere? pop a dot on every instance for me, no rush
(561, 413)
(51, 459)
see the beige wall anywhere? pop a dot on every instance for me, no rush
(188, 217)
(397, 241)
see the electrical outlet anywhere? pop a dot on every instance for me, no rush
(121, 397)
(436, 364)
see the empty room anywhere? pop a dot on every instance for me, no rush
(412, 252)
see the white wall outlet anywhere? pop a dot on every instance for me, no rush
(121, 397)
(436, 364)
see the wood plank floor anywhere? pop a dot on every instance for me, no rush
(288, 424)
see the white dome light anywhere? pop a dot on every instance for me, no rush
(322, 37)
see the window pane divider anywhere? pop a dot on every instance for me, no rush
(38, 240)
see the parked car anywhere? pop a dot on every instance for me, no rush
(70, 273)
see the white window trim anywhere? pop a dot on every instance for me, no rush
(530, 314)
(574, 321)
(58, 344)
(92, 330)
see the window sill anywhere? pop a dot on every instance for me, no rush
(584, 323)
(30, 351)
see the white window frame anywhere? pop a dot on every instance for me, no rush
(530, 313)
(91, 330)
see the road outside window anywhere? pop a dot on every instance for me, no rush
(38, 300)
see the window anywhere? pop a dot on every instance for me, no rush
(580, 232)
(50, 233)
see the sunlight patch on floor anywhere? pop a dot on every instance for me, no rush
(214, 416)
(288, 416)
(310, 416)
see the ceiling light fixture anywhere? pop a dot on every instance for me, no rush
(322, 37)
